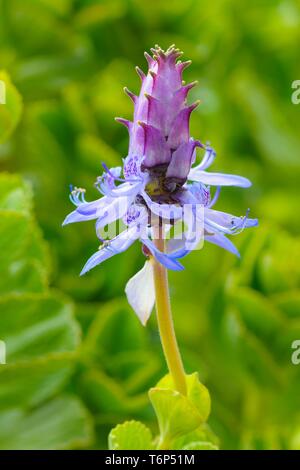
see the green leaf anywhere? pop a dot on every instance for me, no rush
(104, 394)
(28, 384)
(197, 393)
(262, 320)
(24, 258)
(37, 249)
(23, 276)
(250, 353)
(106, 326)
(97, 13)
(257, 313)
(202, 435)
(137, 372)
(131, 435)
(62, 423)
(15, 194)
(37, 325)
(60, 8)
(15, 230)
(178, 414)
(288, 303)
(271, 131)
(275, 272)
(40, 333)
(200, 446)
(91, 150)
(10, 111)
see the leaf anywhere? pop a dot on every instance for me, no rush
(11, 109)
(104, 394)
(200, 446)
(37, 325)
(23, 276)
(250, 354)
(137, 372)
(199, 396)
(37, 249)
(60, 8)
(288, 303)
(15, 194)
(269, 127)
(275, 272)
(131, 435)
(257, 313)
(260, 318)
(40, 334)
(178, 414)
(91, 150)
(203, 435)
(62, 423)
(28, 384)
(106, 326)
(14, 231)
(197, 393)
(114, 349)
(24, 257)
(95, 14)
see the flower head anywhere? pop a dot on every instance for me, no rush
(158, 184)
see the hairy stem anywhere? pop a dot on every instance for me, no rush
(165, 321)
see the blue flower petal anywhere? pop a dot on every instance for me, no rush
(222, 241)
(208, 159)
(251, 223)
(127, 189)
(218, 179)
(87, 211)
(226, 223)
(75, 216)
(114, 211)
(163, 258)
(101, 255)
(111, 248)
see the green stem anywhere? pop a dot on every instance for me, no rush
(165, 321)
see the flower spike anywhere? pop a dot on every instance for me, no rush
(158, 184)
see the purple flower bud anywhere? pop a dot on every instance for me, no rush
(160, 128)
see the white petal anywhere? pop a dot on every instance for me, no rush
(140, 292)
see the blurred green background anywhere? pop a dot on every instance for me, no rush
(78, 361)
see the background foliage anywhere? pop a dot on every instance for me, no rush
(78, 360)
